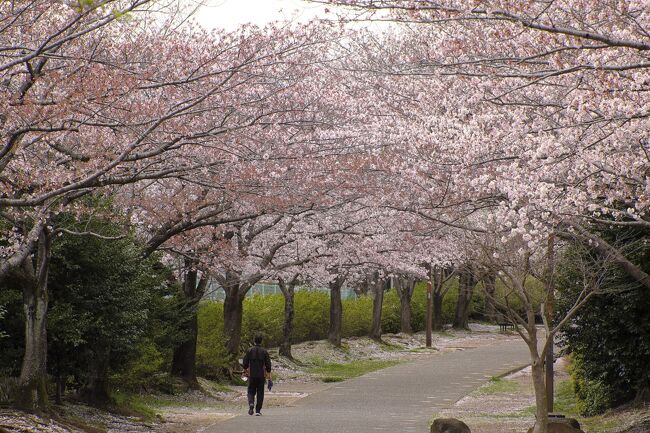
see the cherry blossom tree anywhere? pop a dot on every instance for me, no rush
(534, 113)
(550, 67)
(108, 106)
(48, 117)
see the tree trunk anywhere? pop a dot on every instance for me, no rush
(233, 313)
(437, 311)
(60, 389)
(541, 401)
(336, 313)
(405, 288)
(288, 290)
(96, 390)
(538, 373)
(541, 411)
(550, 313)
(429, 315)
(438, 276)
(490, 291)
(184, 359)
(377, 303)
(31, 393)
(405, 316)
(466, 285)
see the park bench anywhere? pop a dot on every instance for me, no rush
(504, 326)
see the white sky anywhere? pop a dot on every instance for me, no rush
(229, 14)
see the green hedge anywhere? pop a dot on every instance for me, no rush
(264, 315)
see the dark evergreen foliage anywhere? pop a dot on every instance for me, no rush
(610, 336)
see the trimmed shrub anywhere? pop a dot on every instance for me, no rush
(264, 314)
(211, 355)
(311, 315)
(357, 316)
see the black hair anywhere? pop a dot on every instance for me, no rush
(258, 339)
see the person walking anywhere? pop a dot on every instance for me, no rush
(257, 363)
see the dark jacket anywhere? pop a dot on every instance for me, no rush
(258, 359)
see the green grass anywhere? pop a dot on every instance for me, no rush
(497, 385)
(565, 399)
(390, 347)
(332, 372)
(149, 406)
(133, 404)
(329, 379)
(215, 386)
(566, 403)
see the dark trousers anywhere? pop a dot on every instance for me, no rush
(256, 386)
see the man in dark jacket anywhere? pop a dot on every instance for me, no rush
(257, 363)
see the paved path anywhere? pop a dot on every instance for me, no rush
(396, 399)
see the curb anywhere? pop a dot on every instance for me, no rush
(513, 370)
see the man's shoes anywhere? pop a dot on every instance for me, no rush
(258, 414)
(250, 409)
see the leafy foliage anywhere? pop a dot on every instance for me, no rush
(109, 305)
(264, 315)
(610, 336)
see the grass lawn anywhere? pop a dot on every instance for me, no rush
(332, 372)
(498, 385)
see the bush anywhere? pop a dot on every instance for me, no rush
(418, 307)
(211, 355)
(593, 395)
(609, 336)
(391, 312)
(311, 315)
(148, 370)
(357, 316)
(12, 326)
(265, 314)
(109, 306)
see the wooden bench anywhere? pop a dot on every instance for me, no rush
(504, 326)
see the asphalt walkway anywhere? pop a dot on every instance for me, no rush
(396, 399)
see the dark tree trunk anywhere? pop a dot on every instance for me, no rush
(233, 313)
(31, 393)
(96, 390)
(489, 281)
(405, 288)
(428, 326)
(288, 290)
(60, 389)
(336, 312)
(437, 311)
(184, 359)
(466, 285)
(405, 316)
(439, 276)
(377, 285)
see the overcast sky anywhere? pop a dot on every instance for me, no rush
(229, 14)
